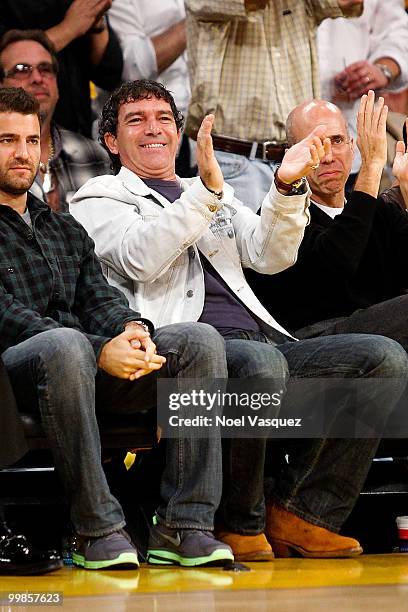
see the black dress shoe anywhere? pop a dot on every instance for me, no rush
(18, 558)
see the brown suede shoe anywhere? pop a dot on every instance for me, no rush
(247, 547)
(289, 534)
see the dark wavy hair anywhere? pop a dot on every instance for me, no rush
(132, 91)
(17, 100)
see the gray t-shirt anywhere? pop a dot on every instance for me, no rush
(26, 217)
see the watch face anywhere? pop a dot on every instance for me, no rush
(300, 187)
(385, 70)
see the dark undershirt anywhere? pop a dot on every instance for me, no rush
(222, 309)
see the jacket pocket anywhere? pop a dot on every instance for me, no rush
(68, 267)
(13, 280)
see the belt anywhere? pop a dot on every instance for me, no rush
(269, 150)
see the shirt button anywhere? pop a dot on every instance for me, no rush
(192, 254)
(190, 293)
(212, 207)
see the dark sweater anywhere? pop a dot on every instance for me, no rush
(355, 260)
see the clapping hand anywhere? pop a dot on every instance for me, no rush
(372, 130)
(400, 166)
(304, 156)
(82, 15)
(208, 167)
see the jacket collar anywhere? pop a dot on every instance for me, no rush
(37, 206)
(34, 205)
(136, 186)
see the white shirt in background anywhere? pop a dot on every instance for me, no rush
(135, 22)
(381, 31)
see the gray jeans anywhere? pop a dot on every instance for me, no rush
(55, 372)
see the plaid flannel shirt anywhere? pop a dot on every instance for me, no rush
(252, 67)
(76, 160)
(50, 277)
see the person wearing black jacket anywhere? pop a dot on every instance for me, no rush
(351, 275)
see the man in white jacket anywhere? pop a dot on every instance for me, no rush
(177, 248)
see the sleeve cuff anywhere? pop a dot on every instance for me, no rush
(289, 203)
(142, 319)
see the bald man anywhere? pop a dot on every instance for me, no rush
(351, 273)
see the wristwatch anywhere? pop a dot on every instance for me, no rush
(218, 194)
(386, 72)
(141, 323)
(296, 188)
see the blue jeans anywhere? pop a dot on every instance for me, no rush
(250, 178)
(323, 478)
(56, 373)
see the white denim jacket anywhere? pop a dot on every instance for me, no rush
(149, 247)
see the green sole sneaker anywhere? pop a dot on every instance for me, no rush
(113, 550)
(185, 547)
(125, 560)
(165, 557)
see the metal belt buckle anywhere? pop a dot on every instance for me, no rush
(265, 145)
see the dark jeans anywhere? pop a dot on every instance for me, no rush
(55, 372)
(388, 318)
(324, 476)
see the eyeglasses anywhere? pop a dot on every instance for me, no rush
(338, 141)
(24, 71)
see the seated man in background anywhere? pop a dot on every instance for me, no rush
(351, 274)
(68, 159)
(73, 349)
(178, 246)
(88, 50)
(16, 555)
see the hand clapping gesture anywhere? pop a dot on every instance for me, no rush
(372, 143)
(372, 130)
(304, 156)
(208, 168)
(400, 167)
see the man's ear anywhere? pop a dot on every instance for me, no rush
(110, 141)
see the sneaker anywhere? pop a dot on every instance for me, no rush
(113, 550)
(187, 547)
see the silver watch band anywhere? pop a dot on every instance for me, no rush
(141, 323)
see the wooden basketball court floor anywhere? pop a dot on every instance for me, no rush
(368, 583)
